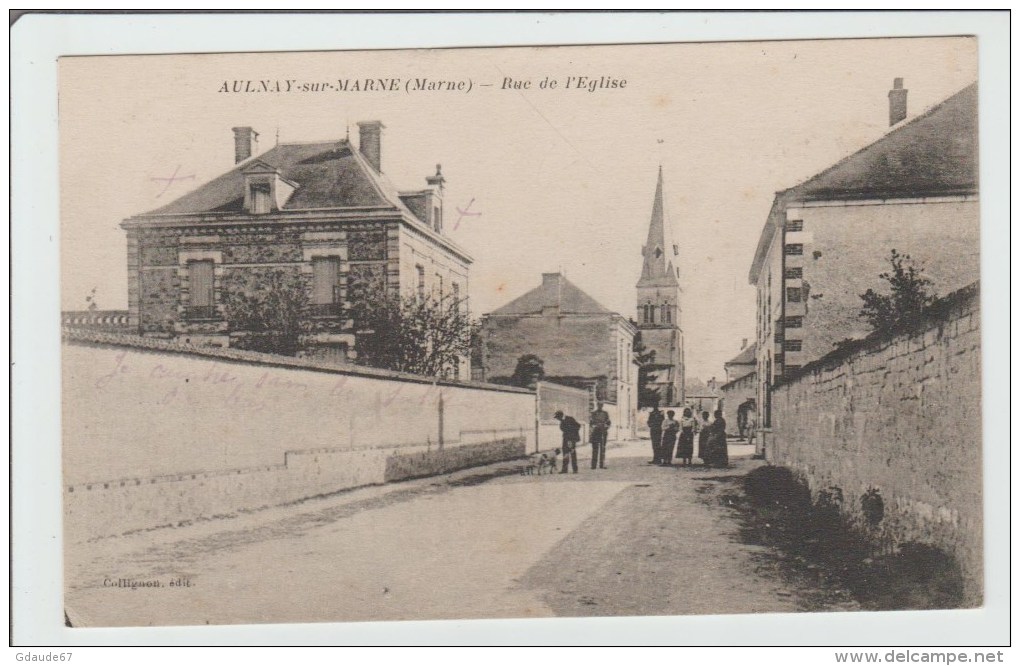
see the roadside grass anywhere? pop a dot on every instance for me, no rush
(779, 511)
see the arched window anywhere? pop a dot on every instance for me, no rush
(667, 313)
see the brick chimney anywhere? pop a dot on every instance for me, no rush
(897, 102)
(370, 142)
(552, 282)
(743, 345)
(245, 143)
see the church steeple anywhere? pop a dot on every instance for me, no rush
(658, 305)
(658, 267)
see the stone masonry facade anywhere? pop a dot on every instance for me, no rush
(574, 349)
(243, 258)
(900, 418)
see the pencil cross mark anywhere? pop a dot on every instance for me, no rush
(467, 212)
(171, 180)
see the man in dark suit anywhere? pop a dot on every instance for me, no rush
(655, 419)
(600, 423)
(571, 430)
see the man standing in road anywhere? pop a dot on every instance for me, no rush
(599, 435)
(655, 419)
(571, 430)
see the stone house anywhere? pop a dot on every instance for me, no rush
(827, 240)
(581, 343)
(740, 390)
(743, 363)
(321, 214)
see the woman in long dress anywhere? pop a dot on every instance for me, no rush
(720, 454)
(704, 434)
(685, 449)
(670, 428)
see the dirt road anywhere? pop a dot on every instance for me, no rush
(633, 539)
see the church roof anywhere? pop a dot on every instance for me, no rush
(329, 174)
(555, 291)
(657, 269)
(934, 154)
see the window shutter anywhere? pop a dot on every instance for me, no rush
(201, 283)
(324, 278)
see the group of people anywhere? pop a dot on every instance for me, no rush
(599, 423)
(669, 434)
(670, 438)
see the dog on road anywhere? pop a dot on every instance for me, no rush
(541, 463)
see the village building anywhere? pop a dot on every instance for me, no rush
(828, 239)
(743, 363)
(701, 396)
(580, 342)
(739, 393)
(321, 214)
(658, 306)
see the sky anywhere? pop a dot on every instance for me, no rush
(555, 179)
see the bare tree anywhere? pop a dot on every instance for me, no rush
(423, 336)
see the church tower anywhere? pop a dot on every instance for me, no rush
(658, 306)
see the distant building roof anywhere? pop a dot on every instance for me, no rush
(747, 356)
(697, 388)
(733, 382)
(555, 291)
(934, 154)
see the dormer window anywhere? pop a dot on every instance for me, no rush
(265, 189)
(260, 198)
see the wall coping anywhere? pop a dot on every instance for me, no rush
(173, 477)
(87, 337)
(938, 314)
(562, 387)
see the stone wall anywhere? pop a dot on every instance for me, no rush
(900, 417)
(157, 432)
(552, 398)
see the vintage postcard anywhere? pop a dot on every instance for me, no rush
(524, 332)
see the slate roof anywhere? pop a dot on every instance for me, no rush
(934, 154)
(747, 356)
(330, 174)
(555, 290)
